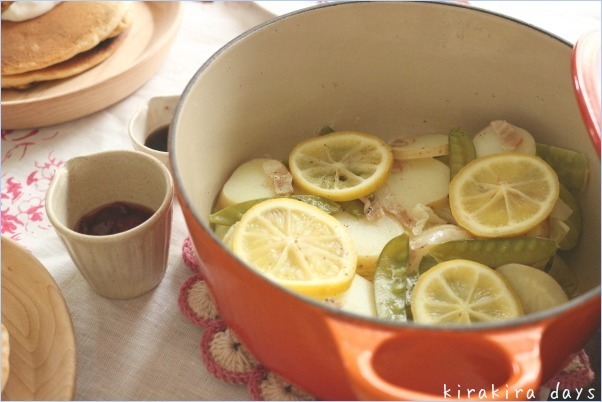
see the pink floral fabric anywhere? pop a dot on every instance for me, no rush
(23, 196)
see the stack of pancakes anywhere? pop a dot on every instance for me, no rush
(67, 40)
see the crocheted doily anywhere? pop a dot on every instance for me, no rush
(228, 360)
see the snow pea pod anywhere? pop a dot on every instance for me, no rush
(426, 262)
(461, 150)
(326, 130)
(570, 166)
(232, 214)
(354, 207)
(390, 279)
(324, 204)
(497, 252)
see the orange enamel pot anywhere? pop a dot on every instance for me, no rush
(392, 69)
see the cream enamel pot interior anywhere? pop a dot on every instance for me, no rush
(391, 69)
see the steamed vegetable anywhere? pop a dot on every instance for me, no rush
(390, 279)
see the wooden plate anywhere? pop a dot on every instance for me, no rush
(154, 28)
(42, 343)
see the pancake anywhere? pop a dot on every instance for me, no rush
(5, 355)
(75, 65)
(45, 48)
(6, 4)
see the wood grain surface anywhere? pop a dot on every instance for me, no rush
(42, 343)
(154, 27)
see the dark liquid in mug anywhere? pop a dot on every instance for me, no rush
(157, 140)
(113, 218)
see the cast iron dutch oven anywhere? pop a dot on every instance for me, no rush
(386, 68)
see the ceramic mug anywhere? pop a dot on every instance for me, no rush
(151, 118)
(117, 264)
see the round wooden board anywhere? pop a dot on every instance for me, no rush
(42, 343)
(154, 28)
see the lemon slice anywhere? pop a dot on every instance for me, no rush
(463, 292)
(503, 195)
(341, 166)
(296, 245)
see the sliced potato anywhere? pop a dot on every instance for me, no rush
(502, 137)
(419, 181)
(358, 299)
(369, 238)
(536, 289)
(248, 182)
(421, 146)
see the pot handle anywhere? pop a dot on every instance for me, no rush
(512, 358)
(585, 69)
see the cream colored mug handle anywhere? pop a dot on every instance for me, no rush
(358, 345)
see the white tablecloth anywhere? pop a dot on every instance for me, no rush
(144, 349)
